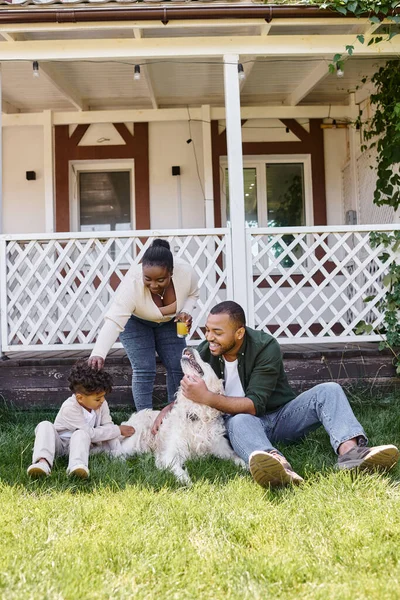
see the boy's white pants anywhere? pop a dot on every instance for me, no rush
(49, 444)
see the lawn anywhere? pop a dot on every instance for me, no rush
(133, 532)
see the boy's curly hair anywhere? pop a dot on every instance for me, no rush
(85, 380)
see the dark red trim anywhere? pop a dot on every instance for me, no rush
(310, 143)
(136, 147)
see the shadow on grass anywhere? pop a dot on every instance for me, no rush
(311, 457)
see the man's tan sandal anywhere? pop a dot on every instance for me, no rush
(272, 469)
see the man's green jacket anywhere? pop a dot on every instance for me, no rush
(260, 368)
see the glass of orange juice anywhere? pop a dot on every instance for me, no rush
(181, 329)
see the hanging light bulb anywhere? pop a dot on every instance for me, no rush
(339, 71)
(241, 72)
(136, 74)
(35, 67)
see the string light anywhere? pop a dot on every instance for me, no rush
(339, 71)
(35, 67)
(136, 74)
(241, 72)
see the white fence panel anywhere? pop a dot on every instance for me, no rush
(58, 286)
(309, 284)
(305, 285)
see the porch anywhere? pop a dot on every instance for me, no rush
(196, 103)
(305, 286)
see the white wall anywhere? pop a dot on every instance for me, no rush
(23, 151)
(168, 147)
(23, 201)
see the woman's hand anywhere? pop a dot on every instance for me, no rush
(96, 362)
(184, 318)
(126, 430)
(161, 417)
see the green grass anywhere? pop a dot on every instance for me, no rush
(133, 532)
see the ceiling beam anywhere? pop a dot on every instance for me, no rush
(154, 48)
(51, 74)
(181, 114)
(265, 28)
(180, 23)
(129, 25)
(11, 37)
(315, 77)
(250, 61)
(8, 107)
(248, 65)
(370, 28)
(137, 32)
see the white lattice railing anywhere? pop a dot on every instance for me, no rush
(56, 288)
(309, 284)
(305, 285)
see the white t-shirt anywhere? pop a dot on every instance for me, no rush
(233, 386)
(90, 419)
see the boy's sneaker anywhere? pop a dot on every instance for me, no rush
(362, 457)
(80, 471)
(271, 468)
(39, 469)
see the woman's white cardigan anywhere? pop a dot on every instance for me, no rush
(133, 297)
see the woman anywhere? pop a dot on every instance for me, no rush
(151, 297)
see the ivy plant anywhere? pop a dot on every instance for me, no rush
(383, 133)
(376, 10)
(390, 304)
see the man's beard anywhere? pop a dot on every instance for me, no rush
(225, 349)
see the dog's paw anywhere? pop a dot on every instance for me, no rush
(185, 479)
(239, 462)
(116, 450)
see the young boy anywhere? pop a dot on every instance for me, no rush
(82, 424)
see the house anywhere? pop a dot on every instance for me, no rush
(214, 124)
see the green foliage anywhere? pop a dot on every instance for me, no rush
(384, 131)
(375, 9)
(390, 305)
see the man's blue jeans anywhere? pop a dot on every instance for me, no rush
(324, 404)
(141, 339)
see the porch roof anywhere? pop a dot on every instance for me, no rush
(89, 65)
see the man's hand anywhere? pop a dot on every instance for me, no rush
(161, 417)
(96, 362)
(126, 430)
(185, 318)
(195, 389)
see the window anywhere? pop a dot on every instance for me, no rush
(285, 194)
(277, 192)
(250, 197)
(104, 201)
(102, 195)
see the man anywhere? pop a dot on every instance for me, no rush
(262, 407)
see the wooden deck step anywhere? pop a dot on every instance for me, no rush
(40, 380)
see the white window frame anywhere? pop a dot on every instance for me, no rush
(258, 162)
(91, 166)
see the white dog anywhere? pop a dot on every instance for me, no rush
(188, 430)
